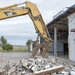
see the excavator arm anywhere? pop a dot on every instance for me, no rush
(33, 12)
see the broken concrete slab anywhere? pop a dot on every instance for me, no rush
(37, 66)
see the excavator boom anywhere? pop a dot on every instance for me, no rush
(33, 12)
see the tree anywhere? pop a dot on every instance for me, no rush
(3, 40)
(28, 43)
(5, 45)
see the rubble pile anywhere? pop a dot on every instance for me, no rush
(33, 65)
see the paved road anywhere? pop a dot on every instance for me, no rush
(13, 56)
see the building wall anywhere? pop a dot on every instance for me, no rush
(59, 47)
(71, 36)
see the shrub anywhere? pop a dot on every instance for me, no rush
(7, 47)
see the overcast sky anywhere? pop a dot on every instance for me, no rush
(18, 30)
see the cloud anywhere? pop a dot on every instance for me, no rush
(19, 39)
(11, 2)
(49, 15)
(20, 34)
(17, 30)
(22, 27)
(16, 27)
(15, 20)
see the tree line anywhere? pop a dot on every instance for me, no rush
(7, 46)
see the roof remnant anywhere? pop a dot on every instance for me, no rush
(64, 14)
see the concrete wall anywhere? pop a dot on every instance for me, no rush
(31, 47)
(71, 37)
(59, 47)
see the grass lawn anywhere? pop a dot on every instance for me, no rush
(16, 49)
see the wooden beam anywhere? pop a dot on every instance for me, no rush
(50, 70)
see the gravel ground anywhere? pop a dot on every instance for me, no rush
(6, 57)
(16, 56)
(10, 63)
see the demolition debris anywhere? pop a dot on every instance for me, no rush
(38, 66)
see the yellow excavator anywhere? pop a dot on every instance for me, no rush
(40, 27)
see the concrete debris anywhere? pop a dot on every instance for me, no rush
(37, 64)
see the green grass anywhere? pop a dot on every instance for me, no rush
(16, 49)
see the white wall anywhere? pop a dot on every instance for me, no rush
(71, 37)
(31, 47)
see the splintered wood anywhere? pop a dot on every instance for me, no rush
(50, 70)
